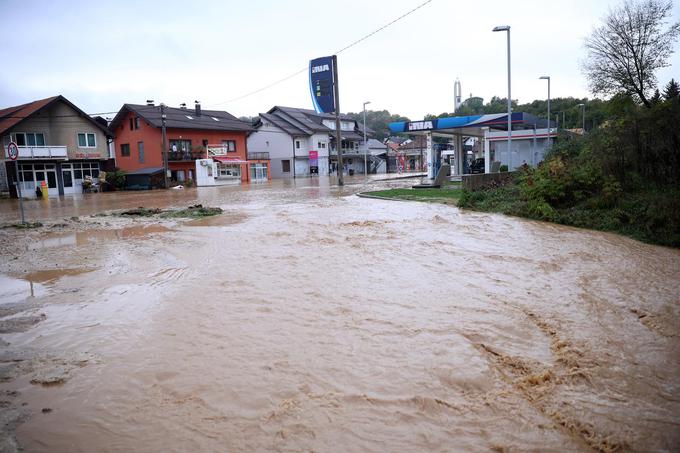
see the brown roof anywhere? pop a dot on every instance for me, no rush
(11, 116)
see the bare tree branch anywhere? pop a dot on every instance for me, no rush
(627, 49)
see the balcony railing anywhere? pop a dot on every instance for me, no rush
(185, 156)
(42, 152)
(258, 156)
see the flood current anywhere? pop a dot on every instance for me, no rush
(305, 318)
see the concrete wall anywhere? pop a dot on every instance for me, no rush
(486, 180)
(278, 143)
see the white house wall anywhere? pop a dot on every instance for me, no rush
(270, 139)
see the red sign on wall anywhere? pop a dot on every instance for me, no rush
(313, 158)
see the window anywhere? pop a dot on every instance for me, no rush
(297, 144)
(180, 146)
(189, 116)
(125, 150)
(214, 119)
(136, 122)
(29, 139)
(132, 123)
(258, 172)
(205, 142)
(86, 140)
(321, 145)
(140, 149)
(285, 166)
(229, 145)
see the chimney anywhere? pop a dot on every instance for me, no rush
(183, 106)
(198, 108)
(149, 102)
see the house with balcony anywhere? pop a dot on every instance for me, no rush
(301, 142)
(191, 135)
(58, 143)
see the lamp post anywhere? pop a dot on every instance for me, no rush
(365, 144)
(548, 79)
(507, 28)
(165, 146)
(583, 115)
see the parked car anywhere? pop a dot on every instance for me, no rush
(477, 166)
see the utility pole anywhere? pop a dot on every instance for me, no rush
(338, 135)
(548, 79)
(165, 146)
(583, 110)
(365, 143)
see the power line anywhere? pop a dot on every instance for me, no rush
(363, 38)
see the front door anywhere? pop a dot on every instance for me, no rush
(32, 176)
(67, 177)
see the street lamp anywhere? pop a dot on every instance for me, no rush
(507, 28)
(365, 144)
(583, 115)
(548, 79)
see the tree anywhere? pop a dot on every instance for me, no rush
(656, 98)
(672, 91)
(378, 121)
(629, 47)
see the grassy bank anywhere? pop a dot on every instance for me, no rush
(446, 196)
(651, 214)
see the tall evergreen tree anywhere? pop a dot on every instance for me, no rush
(656, 98)
(672, 91)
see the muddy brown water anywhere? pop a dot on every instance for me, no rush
(306, 318)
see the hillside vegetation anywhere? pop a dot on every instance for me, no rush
(624, 176)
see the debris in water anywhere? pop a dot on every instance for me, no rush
(53, 376)
(142, 212)
(194, 211)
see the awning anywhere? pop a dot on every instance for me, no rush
(229, 160)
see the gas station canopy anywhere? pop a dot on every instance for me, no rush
(471, 126)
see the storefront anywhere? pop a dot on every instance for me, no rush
(61, 178)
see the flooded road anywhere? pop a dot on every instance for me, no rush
(305, 318)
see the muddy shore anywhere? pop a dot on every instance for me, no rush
(303, 318)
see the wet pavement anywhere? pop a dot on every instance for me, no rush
(306, 318)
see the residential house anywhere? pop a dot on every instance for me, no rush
(191, 134)
(58, 143)
(410, 155)
(378, 151)
(301, 142)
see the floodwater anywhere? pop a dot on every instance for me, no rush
(307, 319)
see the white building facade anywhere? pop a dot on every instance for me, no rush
(301, 143)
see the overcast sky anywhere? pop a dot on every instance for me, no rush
(103, 54)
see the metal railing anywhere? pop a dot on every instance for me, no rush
(185, 156)
(258, 156)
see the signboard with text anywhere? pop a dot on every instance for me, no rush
(321, 72)
(314, 162)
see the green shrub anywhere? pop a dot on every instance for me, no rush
(116, 178)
